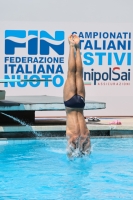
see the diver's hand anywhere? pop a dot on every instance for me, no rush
(72, 145)
(84, 144)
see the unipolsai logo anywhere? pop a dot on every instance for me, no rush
(39, 42)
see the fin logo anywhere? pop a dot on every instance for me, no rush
(35, 44)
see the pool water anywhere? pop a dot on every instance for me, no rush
(40, 169)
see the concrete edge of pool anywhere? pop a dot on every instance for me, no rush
(57, 129)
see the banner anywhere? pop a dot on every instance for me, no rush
(40, 51)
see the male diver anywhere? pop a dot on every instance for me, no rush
(74, 99)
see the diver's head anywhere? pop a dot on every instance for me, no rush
(79, 146)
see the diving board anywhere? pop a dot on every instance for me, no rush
(42, 103)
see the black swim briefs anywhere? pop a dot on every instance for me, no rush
(76, 101)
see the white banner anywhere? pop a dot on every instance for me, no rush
(40, 51)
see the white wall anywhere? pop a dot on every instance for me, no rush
(67, 10)
(96, 11)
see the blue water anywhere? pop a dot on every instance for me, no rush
(40, 169)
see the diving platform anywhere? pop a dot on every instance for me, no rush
(24, 107)
(41, 103)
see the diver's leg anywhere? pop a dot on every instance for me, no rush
(70, 84)
(84, 139)
(70, 91)
(79, 69)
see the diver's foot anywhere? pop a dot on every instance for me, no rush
(76, 41)
(71, 41)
